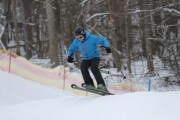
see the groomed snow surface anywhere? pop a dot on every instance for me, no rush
(22, 99)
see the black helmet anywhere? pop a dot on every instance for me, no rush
(79, 31)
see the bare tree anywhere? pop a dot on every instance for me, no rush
(53, 42)
(115, 24)
(149, 54)
(128, 49)
(26, 12)
(15, 27)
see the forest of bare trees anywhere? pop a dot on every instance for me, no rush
(136, 29)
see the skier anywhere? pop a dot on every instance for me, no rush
(87, 44)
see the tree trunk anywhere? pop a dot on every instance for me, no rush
(115, 21)
(52, 34)
(128, 49)
(61, 33)
(15, 27)
(148, 41)
(26, 11)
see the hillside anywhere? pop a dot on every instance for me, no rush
(21, 99)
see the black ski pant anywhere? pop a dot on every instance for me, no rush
(93, 64)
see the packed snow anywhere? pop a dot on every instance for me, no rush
(22, 99)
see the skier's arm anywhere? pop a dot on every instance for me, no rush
(72, 49)
(104, 43)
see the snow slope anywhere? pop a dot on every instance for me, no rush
(22, 99)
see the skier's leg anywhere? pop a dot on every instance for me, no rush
(85, 64)
(96, 72)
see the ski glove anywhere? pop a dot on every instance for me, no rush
(108, 50)
(70, 59)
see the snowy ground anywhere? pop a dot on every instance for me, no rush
(22, 99)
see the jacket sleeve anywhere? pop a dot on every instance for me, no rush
(102, 41)
(73, 47)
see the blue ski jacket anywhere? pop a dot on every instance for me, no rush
(88, 47)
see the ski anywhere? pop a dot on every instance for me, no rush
(74, 86)
(84, 85)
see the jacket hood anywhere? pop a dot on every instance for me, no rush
(86, 36)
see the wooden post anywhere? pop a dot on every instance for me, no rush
(64, 77)
(10, 55)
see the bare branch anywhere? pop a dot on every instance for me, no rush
(171, 11)
(95, 15)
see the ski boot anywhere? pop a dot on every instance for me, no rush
(102, 88)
